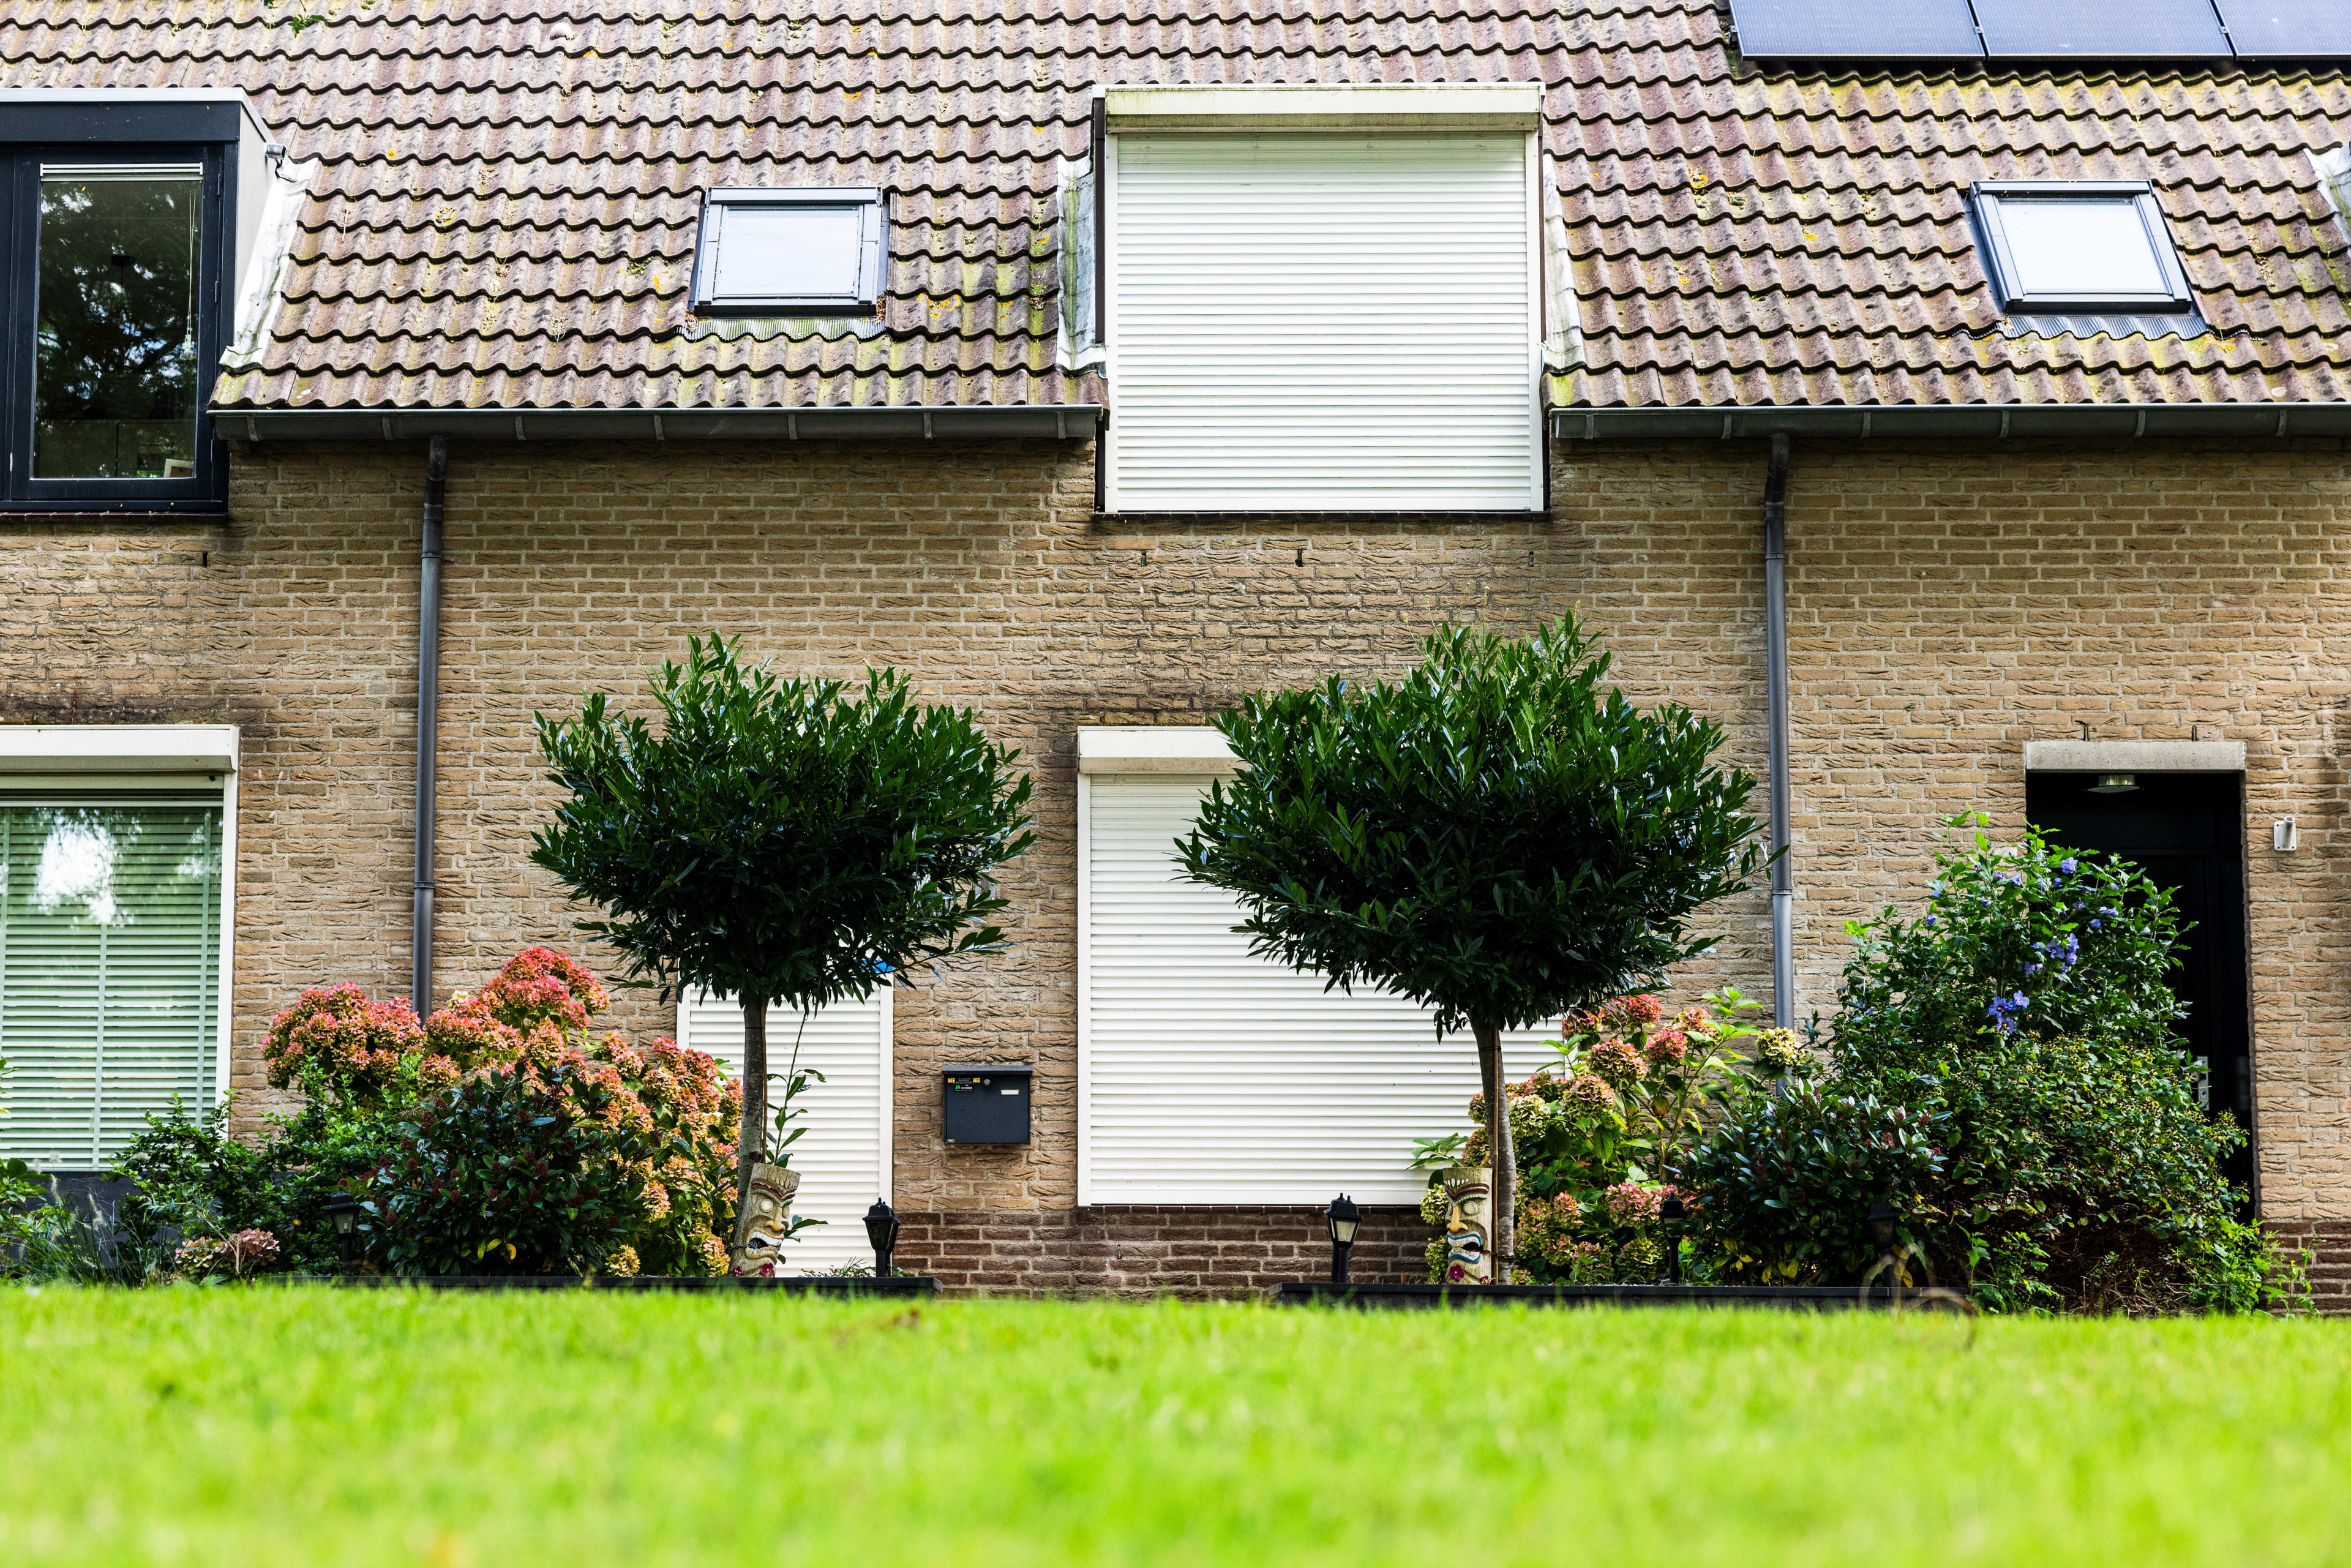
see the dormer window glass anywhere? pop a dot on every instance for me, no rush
(2078, 246)
(790, 253)
(133, 221)
(115, 372)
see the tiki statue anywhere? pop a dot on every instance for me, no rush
(770, 1206)
(1468, 1225)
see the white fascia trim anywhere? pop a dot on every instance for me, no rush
(2133, 757)
(118, 748)
(1447, 105)
(273, 245)
(2334, 170)
(1182, 748)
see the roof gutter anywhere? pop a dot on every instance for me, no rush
(1060, 421)
(1970, 420)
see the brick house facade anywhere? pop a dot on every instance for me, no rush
(1949, 598)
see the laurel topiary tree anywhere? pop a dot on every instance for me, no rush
(1497, 836)
(780, 841)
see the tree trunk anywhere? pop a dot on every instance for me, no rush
(753, 1146)
(1498, 1151)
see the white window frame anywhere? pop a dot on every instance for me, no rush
(873, 260)
(113, 758)
(1427, 108)
(1989, 198)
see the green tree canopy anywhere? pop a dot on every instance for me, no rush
(1497, 836)
(780, 840)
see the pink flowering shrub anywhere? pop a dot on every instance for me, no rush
(1602, 1132)
(662, 1118)
(335, 1043)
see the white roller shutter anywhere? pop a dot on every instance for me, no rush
(1207, 1075)
(844, 1156)
(1323, 321)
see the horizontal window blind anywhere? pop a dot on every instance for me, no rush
(843, 1158)
(1322, 322)
(1213, 1076)
(109, 971)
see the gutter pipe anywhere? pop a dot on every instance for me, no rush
(1984, 422)
(1775, 658)
(428, 718)
(1053, 421)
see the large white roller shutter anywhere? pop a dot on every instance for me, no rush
(844, 1156)
(1210, 1076)
(1322, 322)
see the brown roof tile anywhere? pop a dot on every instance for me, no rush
(505, 213)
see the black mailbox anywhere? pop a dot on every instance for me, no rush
(988, 1102)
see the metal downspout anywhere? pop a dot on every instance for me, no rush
(428, 718)
(1775, 656)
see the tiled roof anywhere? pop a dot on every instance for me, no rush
(505, 207)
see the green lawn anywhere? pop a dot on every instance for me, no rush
(315, 1428)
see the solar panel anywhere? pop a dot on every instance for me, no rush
(1819, 29)
(2276, 29)
(2102, 29)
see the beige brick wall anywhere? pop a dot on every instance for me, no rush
(1947, 603)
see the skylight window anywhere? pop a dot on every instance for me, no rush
(2078, 246)
(790, 253)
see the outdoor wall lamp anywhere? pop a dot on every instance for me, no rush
(1343, 1217)
(344, 1210)
(881, 1230)
(1672, 1212)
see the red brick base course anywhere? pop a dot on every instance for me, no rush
(1209, 1253)
(1198, 1253)
(2328, 1244)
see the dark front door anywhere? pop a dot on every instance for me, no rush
(2186, 831)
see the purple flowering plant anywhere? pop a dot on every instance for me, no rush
(2019, 933)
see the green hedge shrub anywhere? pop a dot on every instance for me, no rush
(2021, 1025)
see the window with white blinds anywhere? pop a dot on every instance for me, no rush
(1323, 320)
(109, 969)
(1207, 1075)
(843, 1158)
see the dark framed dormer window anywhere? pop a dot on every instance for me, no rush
(795, 252)
(116, 278)
(2058, 247)
(118, 249)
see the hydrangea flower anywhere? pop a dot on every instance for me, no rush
(1778, 1051)
(1630, 1203)
(1616, 1063)
(1587, 1094)
(1529, 1117)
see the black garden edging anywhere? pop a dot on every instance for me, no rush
(896, 1285)
(1787, 1298)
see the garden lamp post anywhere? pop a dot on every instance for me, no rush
(1881, 1225)
(881, 1230)
(1343, 1217)
(1672, 1212)
(344, 1210)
